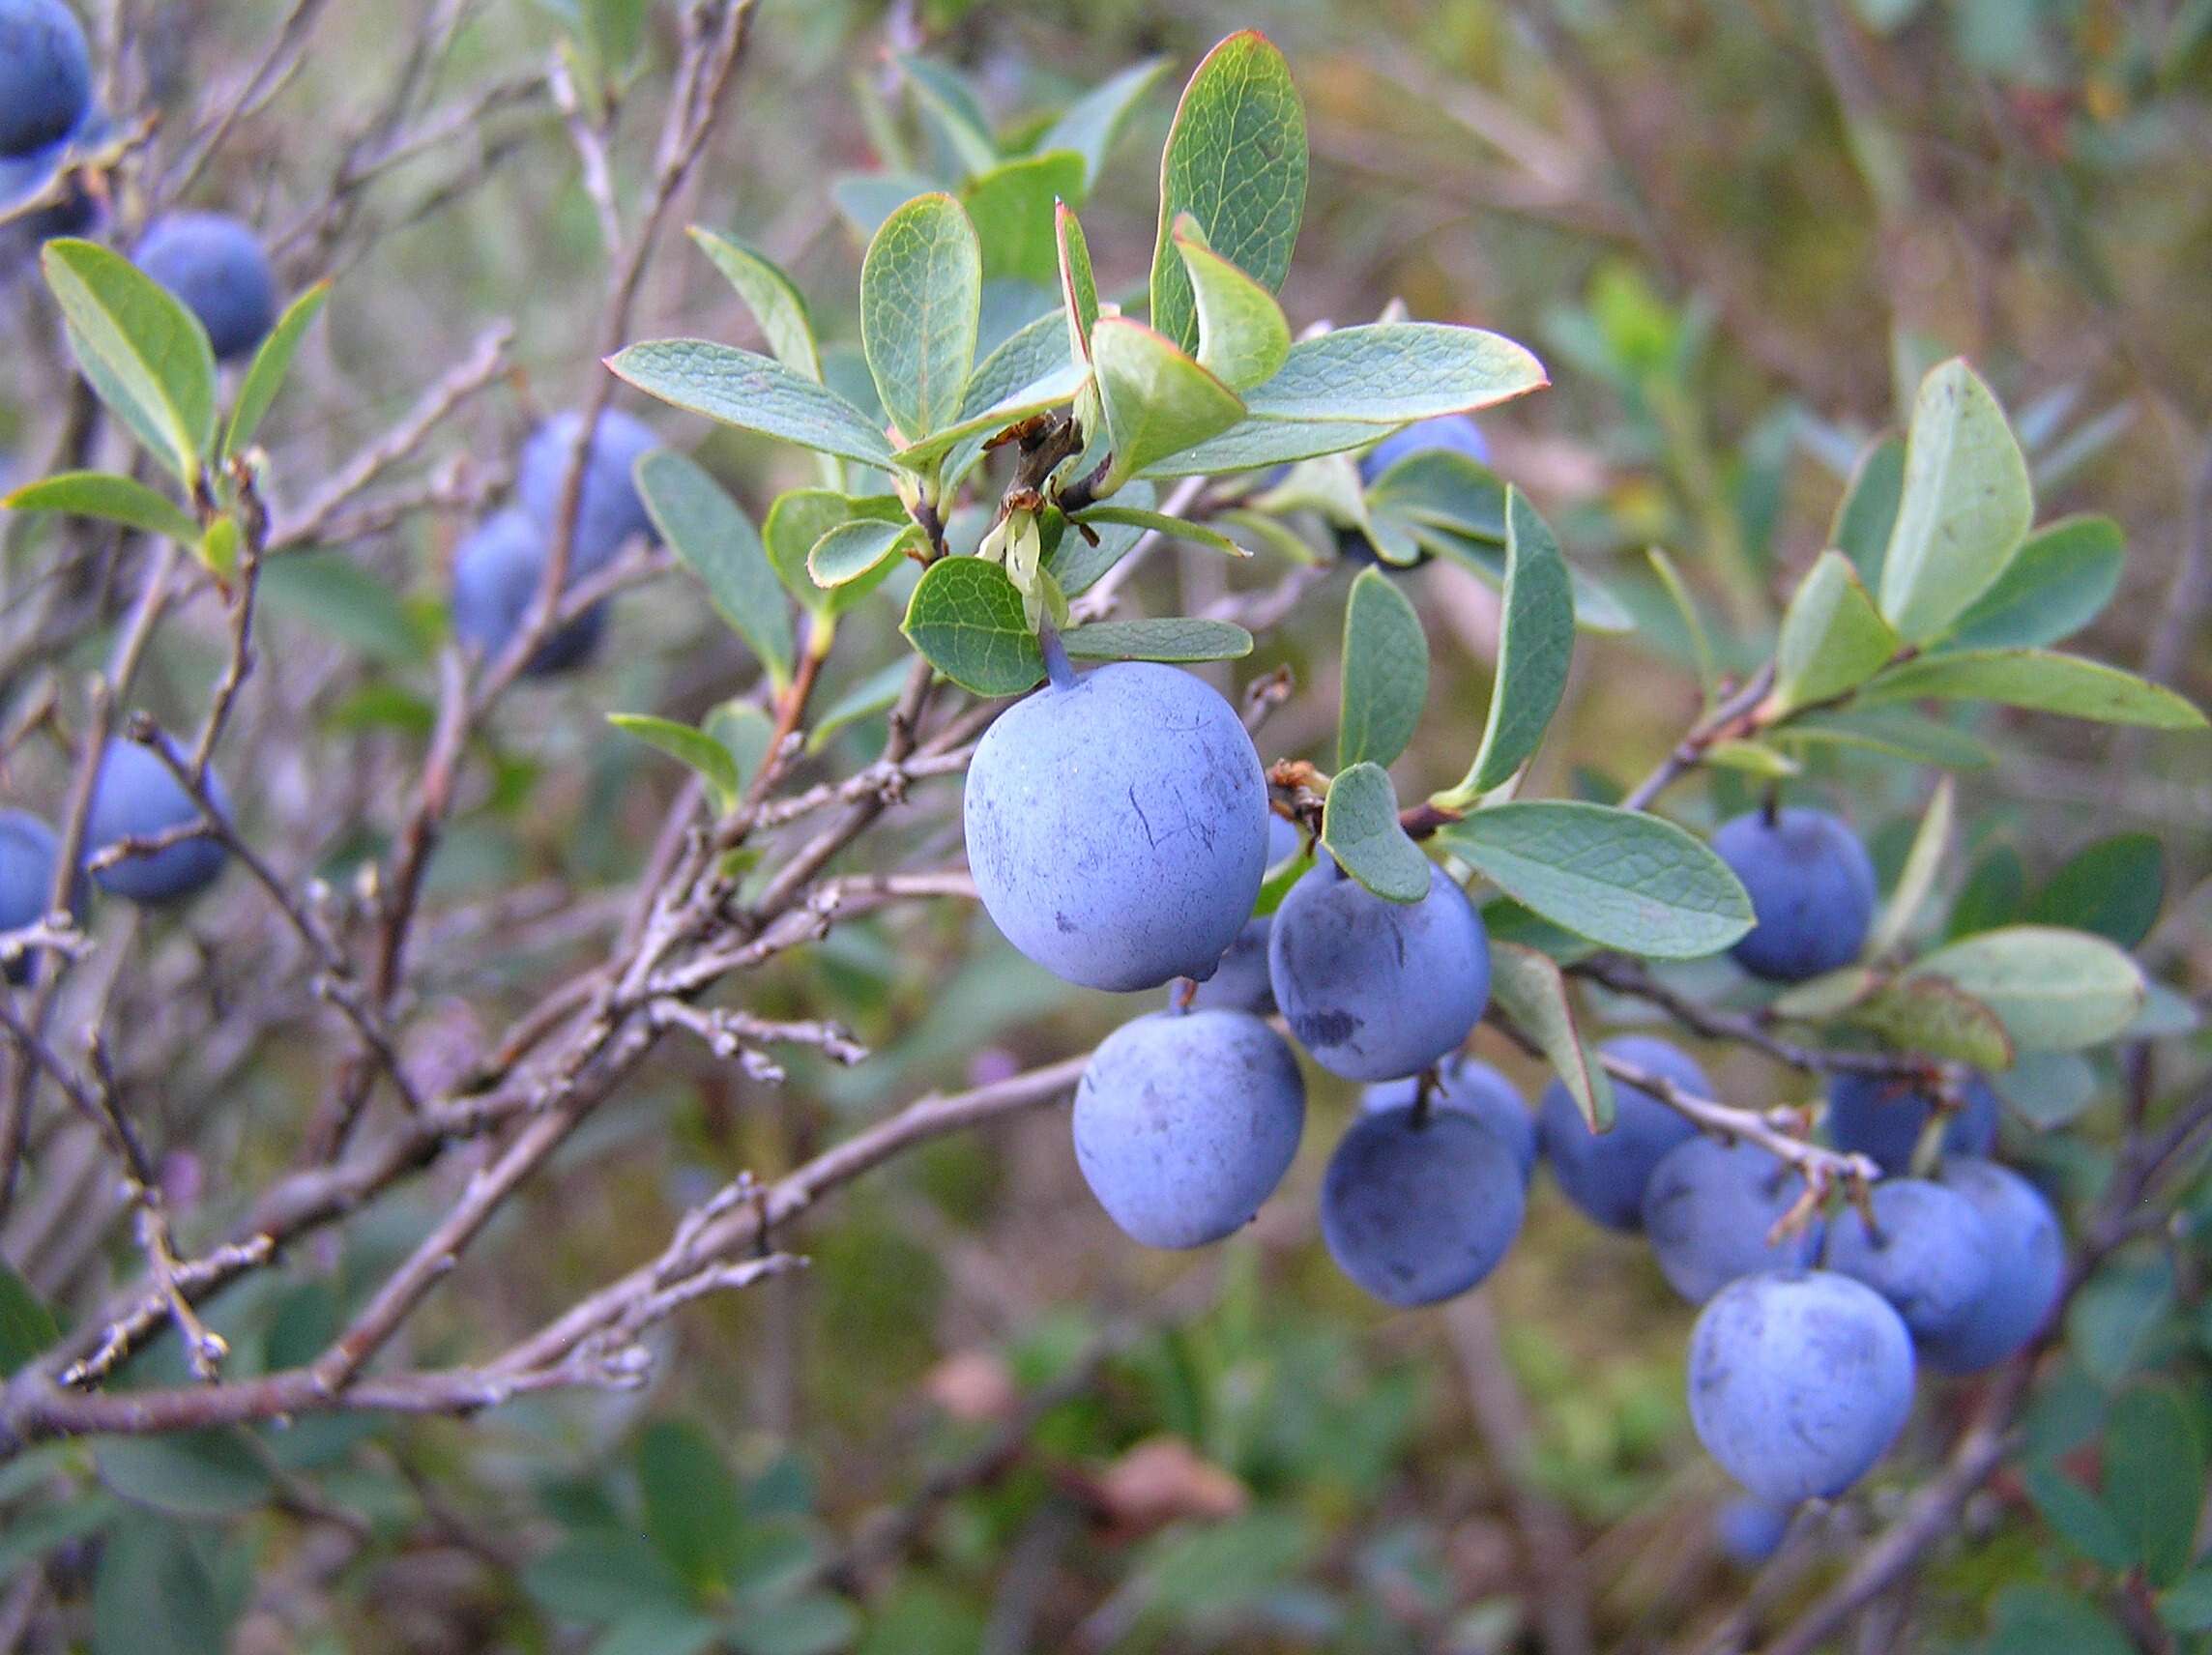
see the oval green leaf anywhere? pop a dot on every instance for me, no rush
(2053, 990)
(1388, 373)
(1360, 828)
(772, 297)
(966, 618)
(1833, 637)
(2039, 680)
(1536, 643)
(147, 346)
(1622, 878)
(1385, 667)
(1529, 987)
(852, 550)
(1242, 334)
(754, 394)
(1964, 505)
(1235, 161)
(1166, 638)
(271, 366)
(921, 305)
(1157, 401)
(110, 497)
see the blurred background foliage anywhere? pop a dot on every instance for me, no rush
(1737, 231)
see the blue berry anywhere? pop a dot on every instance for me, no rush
(1811, 890)
(1185, 1123)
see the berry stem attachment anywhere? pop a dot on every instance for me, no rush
(1056, 668)
(1424, 1095)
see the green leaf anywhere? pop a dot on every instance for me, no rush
(1930, 842)
(2154, 1480)
(1965, 505)
(1627, 880)
(2054, 991)
(26, 1326)
(1678, 591)
(744, 729)
(1243, 337)
(2038, 680)
(1011, 207)
(1752, 758)
(148, 345)
(1049, 393)
(693, 1509)
(816, 1624)
(1262, 533)
(2166, 1013)
(605, 1576)
(1385, 668)
(2114, 888)
(713, 537)
(112, 499)
(272, 365)
(1833, 638)
(1530, 989)
(1033, 360)
(1596, 608)
(1078, 283)
(153, 1594)
(2116, 1323)
(145, 423)
(1235, 161)
(1391, 372)
(774, 299)
(2059, 582)
(616, 29)
(1165, 639)
(220, 547)
(1158, 401)
(1868, 512)
(2045, 1620)
(1089, 125)
(187, 1473)
(1893, 730)
(796, 524)
(1160, 523)
(666, 1631)
(2188, 1605)
(867, 198)
(2048, 1090)
(1536, 641)
(1360, 828)
(852, 550)
(694, 747)
(966, 618)
(1439, 489)
(1930, 1014)
(950, 107)
(1033, 355)
(2078, 1518)
(1994, 892)
(921, 305)
(341, 599)
(1253, 445)
(754, 394)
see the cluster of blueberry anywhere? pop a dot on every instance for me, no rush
(1118, 830)
(213, 263)
(138, 806)
(501, 564)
